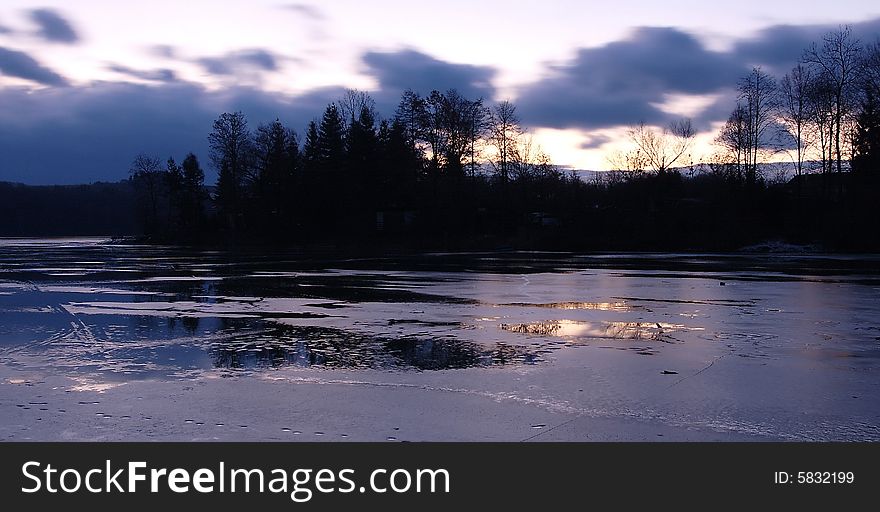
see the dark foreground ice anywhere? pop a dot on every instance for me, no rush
(105, 341)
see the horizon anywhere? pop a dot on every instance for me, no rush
(787, 171)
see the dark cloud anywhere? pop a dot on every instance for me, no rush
(86, 133)
(780, 47)
(594, 141)
(623, 82)
(4, 29)
(156, 75)
(311, 12)
(82, 134)
(89, 133)
(21, 65)
(410, 69)
(53, 27)
(716, 111)
(238, 61)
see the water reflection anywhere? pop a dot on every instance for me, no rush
(595, 306)
(604, 330)
(147, 346)
(333, 348)
(148, 310)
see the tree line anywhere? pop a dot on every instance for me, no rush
(822, 111)
(451, 171)
(442, 165)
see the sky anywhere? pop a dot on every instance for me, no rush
(87, 85)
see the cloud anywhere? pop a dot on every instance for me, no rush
(53, 27)
(409, 69)
(594, 140)
(156, 75)
(239, 61)
(83, 134)
(780, 47)
(76, 134)
(624, 82)
(314, 17)
(311, 12)
(164, 51)
(21, 65)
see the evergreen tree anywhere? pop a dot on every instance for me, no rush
(230, 143)
(174, 188)
(311, 151)
(276, 149)
(361, 143)
(192, 212)
(331, 140)
(866, 142)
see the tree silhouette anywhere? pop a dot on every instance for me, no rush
(352, 103)
(838, 59)
(866, 144)
(735, 137)
(231, 151)
(757, 94)
(149, 178)
(821, 109)
(416, 180)
(358, 189)
(331, 140)
(412, 115)
(192, 209)
(504, 135)
(795, 110)
(663, 148)
(276, 154)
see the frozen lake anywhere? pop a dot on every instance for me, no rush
(102, 341)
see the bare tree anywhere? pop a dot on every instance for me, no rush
(148, 176)
(735, 139)
(479, 117)
(719, 164)
(821, 111)
(661, 149)
(354, 101)
(839, 61)
(504, 135)
(528, 160)
(794, 110)
(625, 165)
(447, 127)
(144, 164)
(757, 94)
